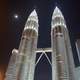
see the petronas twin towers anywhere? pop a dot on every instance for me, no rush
(22, 63)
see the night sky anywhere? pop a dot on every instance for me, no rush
(11, 28)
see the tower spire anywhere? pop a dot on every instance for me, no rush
(33, 15)
(57, 13)
(33, 18)
(58, 18)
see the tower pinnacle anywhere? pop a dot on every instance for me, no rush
(57, 13)
(33, 16)
(32, 21)
(58, 18)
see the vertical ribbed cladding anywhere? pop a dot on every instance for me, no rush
(11, 73)
(31, 26)
(57, 19)
(57, 23)
(59, 54)
(60, 35)
(27, 48)
(30, 30)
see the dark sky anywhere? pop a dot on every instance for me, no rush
(11, 28)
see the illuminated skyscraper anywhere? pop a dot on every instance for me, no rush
(28, 47)
(26, 52)
(22, 63)
(62, 58)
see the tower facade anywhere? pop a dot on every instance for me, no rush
(22, 63)
(26, 52)
(28, 47)
(11, 73)
(62, 58)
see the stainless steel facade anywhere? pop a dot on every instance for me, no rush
(26, 52)
(22, 63)
(62, 52)
(11, 73)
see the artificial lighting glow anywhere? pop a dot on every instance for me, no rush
(57, 13)
(33, 13)
(33, 16)
(15, 16)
